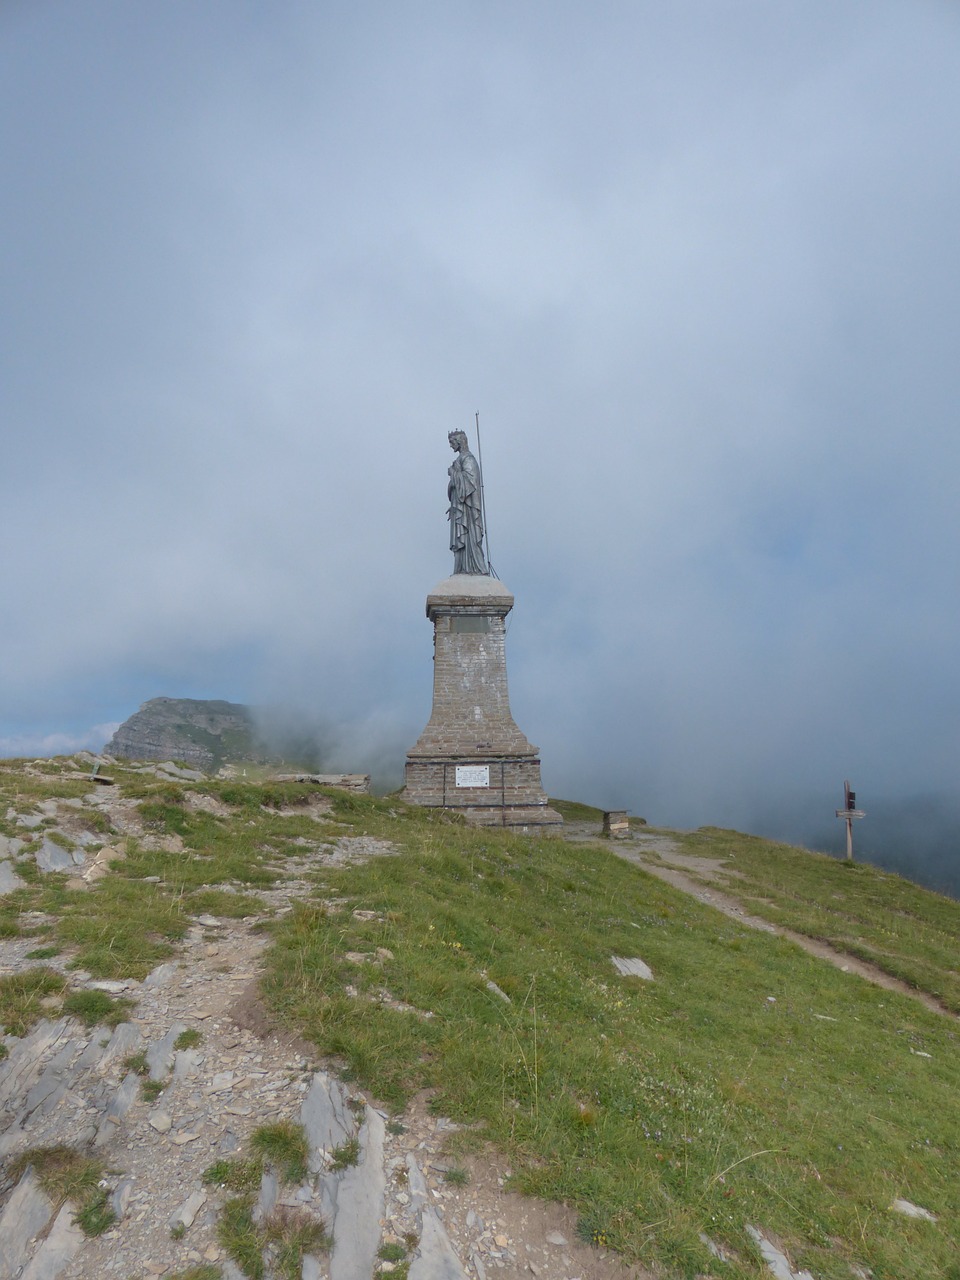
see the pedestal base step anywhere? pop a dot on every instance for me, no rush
(515, 817)
(502, 792)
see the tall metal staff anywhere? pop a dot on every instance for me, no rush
(483, 501)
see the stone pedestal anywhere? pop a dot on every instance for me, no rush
(471, 757)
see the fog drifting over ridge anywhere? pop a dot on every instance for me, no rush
(697, 267)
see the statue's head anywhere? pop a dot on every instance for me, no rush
(458, 440)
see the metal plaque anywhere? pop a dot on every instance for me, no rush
(473, 775)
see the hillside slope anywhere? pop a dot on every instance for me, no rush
(750, 1096)
(203, 734)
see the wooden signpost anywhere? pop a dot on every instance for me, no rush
(849, 812)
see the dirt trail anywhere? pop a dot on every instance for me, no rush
(661, 857)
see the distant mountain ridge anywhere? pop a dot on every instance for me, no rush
(204, 734)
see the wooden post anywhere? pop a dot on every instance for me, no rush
(848, 813)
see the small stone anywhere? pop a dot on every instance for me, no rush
(181, 1139)
(122, 1195)
(185, 1215)
(632, 967)
(212, 1253)
(912, 1210)
(554, 1237)
(160, 1121)
(501, 1241)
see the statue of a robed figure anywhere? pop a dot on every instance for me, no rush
(466, 509)
(472, 757)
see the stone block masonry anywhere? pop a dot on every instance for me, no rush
(472, 757)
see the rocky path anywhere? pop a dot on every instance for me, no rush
(160, 1107)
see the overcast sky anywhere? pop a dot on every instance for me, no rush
(697, 264)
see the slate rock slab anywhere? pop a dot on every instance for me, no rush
(9, 880)
(24, 1216)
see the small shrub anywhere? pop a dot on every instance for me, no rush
(456, 1177)
(592, 1231)
(137, 1063)
(393, 1252)
(43, 953)
(188, 1039)
(347, 1154)
(150, 1090)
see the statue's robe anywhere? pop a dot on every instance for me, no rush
(466, 516)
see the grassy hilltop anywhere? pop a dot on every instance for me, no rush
(749, 1083)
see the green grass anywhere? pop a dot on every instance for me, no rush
(235, 1174)
(574, 811)
(21, 997)
(284, 1146)
(95, 1215)
(67, 1174)
(93, 1007)
(749, 1082)
(660, 1110)
(241, 1237)
(288, 1234)
(909, 932)
(188, 1039)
